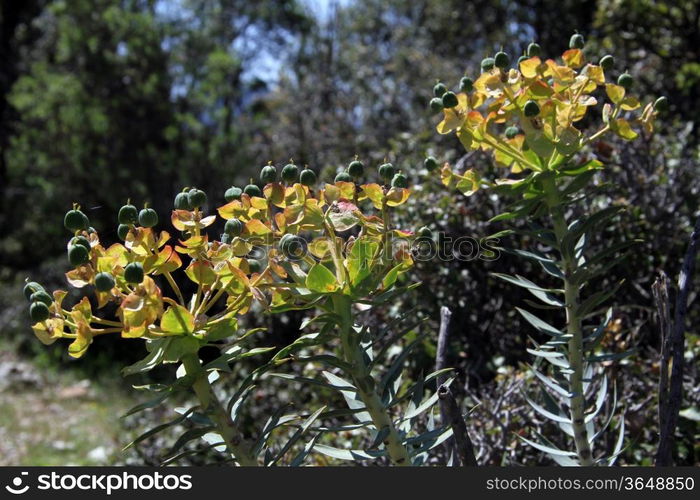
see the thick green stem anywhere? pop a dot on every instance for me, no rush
(235, 443)
(365, 383)
(575, 347)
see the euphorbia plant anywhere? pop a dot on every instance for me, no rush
(537, 119)
(290, 245)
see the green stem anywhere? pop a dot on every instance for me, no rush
(365, 383)
(575, 331)
(235, 443)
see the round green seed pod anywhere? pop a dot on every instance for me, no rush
(182, 201)
(253, 190)
(78, 255)
(284, 238)
(38, 312)
(226, 239)
(430, 163)
(307, 177)
(233, 227)
(104, 282)
(531, 109)
(449, 100)
(466, 84)
(290, 173)
(343, 177)
(31, 288)
(521, 59)
(501, 60)
(75, 220)
(254, 265)
(661, 104)
(80, 240)
(356, 169)
(293, 246)
(534, 50)
(386, 171)
(133, 273)
(148, 217)
(576, 41)
(436, 105)
(128, 214)
(607, 62)
(399, 181)
(424, 232)
(268, 174)
(122, 231)
(196, 197)
(626, 81)
(233, 193)
(41, 296)
(439, 89)
(487, 64)
(511, 132)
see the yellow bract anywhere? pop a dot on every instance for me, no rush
(564, 92)
(228, 275)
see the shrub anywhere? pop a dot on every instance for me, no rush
(299, 247)
(551, 169)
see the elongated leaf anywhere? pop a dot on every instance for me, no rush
(425, 405)
(326, 359)
(547, 298)
(154, 358)
(301, 456)
(613, 356)
(188, 453)
(593, 340)
(416, 390)
(151, 403)
(349, 392)
(608, 421)
(238, 404)
(232, 354)
(582, 226)
(599, 400)
(540, 325)
(547, 414)
(433, 441)
(308, 340)
(186, 437)
(533, 255)
(155, 430)
(395, 370)
(524, 282)
(355, 455)
(272, 423)
(547, 381)
(305, 426)
(549, 450)
(620, 440)
(552, 270)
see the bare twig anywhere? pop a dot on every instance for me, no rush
(449, 406)
(664, 454)
(663, 308)
(441, 356)
(441, 363)
(449, 409)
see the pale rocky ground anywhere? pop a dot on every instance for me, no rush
(55, 419)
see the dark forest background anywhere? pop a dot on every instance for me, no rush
(105, 100)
